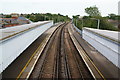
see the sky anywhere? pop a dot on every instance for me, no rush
(65, 7)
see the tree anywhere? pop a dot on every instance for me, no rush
(112, 16)
(48, 16)
(28, 16)
(76, 16)
(92, 11)
(8, 16)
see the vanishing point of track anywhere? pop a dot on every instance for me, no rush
(60, 58)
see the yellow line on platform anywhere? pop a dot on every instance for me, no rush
(95, 66)
(90, 60)
(29, 61)
(93, 63)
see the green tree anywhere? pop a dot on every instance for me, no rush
(28, 16)
(8, 16)
(35, 17)
(76, 16)
(92, 11)
(112, 16)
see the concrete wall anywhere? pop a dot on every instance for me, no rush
(10, 49)
(107, 47)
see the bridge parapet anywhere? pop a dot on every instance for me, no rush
(14, 40)
(106, 42)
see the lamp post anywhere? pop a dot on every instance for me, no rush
(82, 22)
(76, 22)
(44, 18)
(98, 23)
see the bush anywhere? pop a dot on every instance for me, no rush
(35, 17)
(92, 23)
(105, 25)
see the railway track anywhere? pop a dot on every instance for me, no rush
(60, 59)
(77, 66)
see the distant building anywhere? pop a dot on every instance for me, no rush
(22, 20)
(14, 21)
(14, 15)
(8, 22)
(114, 22)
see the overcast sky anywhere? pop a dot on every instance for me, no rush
(65, 7)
